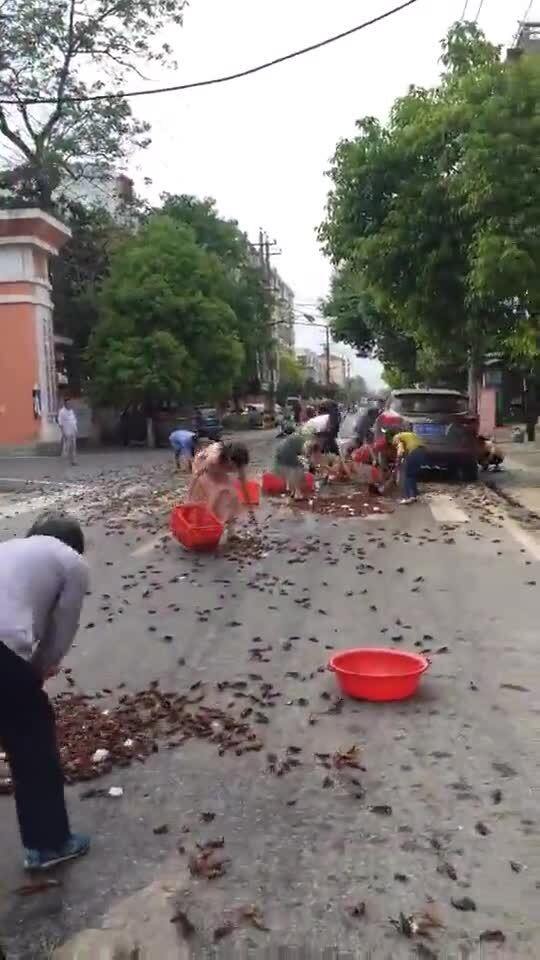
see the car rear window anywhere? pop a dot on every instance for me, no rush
(420, 403)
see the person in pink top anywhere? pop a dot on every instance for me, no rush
(212, 481)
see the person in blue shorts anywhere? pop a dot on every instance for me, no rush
(184, 445)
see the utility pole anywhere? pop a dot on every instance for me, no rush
(265, 251)
(327, 353)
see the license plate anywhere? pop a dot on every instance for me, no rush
(432, 430)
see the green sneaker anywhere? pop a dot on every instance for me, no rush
(75, 846)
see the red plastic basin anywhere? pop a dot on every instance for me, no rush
(196, 527)
(376, 673)
(249, 493)
(273, 485)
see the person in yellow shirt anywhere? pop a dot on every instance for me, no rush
(411, 458)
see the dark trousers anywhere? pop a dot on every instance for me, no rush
(28, 736)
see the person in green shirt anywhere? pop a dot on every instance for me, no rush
(411, 458)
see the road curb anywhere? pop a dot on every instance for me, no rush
(508, 498)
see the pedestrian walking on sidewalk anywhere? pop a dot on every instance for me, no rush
(411, 458)
(43, 580)
(67, 421)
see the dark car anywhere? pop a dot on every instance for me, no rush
(442, 418)
(207, 423)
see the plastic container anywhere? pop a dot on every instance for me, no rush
(249, 493)
(309, 483)
(376, 673)
(196, 527)
(272, 485)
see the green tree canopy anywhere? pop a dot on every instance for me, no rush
(291, 376)
(244, 287)
(162, 282)
(431, 217)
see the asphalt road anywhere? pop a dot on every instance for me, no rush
(446, 803)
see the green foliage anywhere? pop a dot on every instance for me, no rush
(52, 49)
(291, 377)
(244, 288)
(161, 280)
(77, 276)
(143, 370)
(432, 220)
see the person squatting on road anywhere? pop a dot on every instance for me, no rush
(184, 445)
(293, 456)
(411, 458)
(212, 480)
(67, 421)
(43, 580)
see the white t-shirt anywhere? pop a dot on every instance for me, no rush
(67, 421)
(317, 425)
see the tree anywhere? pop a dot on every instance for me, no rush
(65, 51)
(162, 284)
(357, 388)
(244, 286)
(77, 276)
(418, 222)
(290, 377)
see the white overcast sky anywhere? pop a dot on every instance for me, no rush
(260, 146)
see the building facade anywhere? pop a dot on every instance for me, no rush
(28, 383)
(339, 369)
(527, 40)
(311, 364)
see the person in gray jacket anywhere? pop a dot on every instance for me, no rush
(43, 580)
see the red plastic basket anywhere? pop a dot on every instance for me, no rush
(272, 485)
(309, 483)
(196, 527)
(249, 493)
(377, 673)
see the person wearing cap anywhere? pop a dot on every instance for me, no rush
(43, 581)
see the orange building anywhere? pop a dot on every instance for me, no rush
(28, 388)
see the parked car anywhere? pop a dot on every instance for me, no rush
(442, 419)
(207, 423)
(255, 415)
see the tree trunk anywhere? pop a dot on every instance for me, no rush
(473, 382)
(150, 433)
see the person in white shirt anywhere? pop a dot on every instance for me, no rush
(43, 581)
(67, 421)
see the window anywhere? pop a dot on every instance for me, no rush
(429, 403)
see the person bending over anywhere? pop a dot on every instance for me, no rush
(215, 470)
(43, 580)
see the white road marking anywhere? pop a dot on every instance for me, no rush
(521, 536)
(149, 545)
(446, 510)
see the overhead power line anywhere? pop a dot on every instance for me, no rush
(464, 10)
(479, 11)
(217, 80)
